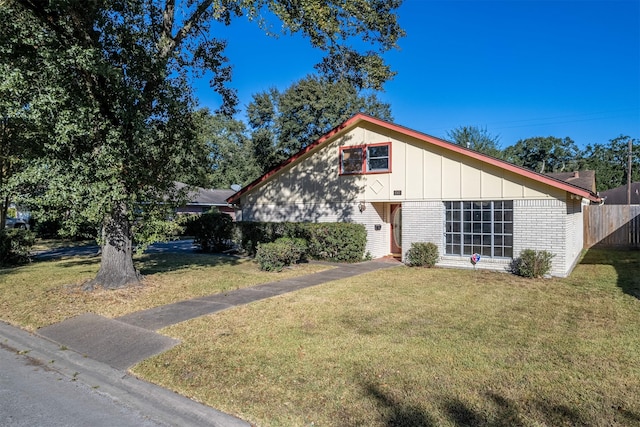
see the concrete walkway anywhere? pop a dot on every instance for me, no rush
(124, 341)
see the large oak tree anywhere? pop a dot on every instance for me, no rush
(110, 84)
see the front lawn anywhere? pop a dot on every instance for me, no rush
(47, 292)
(421, 347)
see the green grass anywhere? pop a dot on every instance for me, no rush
(47, 292)
(398, 347)
(421, 347)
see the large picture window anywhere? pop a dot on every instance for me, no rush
(483, 227)
(374, 158)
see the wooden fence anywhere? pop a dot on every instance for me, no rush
(612, 226)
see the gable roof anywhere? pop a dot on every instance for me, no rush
(360, 118)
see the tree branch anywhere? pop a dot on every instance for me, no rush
(196, 16)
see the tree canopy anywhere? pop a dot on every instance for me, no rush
(545, 154)
(476, 138)
(283, 123)
(611, 162)
(110, 83)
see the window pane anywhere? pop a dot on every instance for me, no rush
(378, 164)
(378, 158)
(378, 151)
(352, 160)
(487, 228)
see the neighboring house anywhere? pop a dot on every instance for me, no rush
(618, 195)
(583, 179)
(406, 186)
(202, 200)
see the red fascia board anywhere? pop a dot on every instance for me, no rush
(426, 138)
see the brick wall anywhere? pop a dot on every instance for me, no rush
(541, 225)
(422, 222)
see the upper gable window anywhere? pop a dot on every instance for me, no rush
(373, 158)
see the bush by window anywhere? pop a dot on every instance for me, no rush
(422, 254)
(532, 263)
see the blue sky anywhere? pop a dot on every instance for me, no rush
(517, 68)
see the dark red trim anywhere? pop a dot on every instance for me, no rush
(425, 138)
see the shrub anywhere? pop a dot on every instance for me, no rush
(212, 231)
(15, 246)
(342, 242)
(532, 263)
(283, 252)
(250, 234)
(422, 254)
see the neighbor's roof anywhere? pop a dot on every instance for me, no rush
(206, 197)
(618, 195)
(360, 118)
(582, 179)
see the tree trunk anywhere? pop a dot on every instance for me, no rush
(116, 265)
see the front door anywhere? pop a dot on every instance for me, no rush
(396, 229)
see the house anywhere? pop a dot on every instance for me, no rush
(202, 200)
(406, 186)
(584, 179)
(619, 195)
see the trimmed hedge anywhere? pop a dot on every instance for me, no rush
(15, 246)
(281, 253)
(342, 242)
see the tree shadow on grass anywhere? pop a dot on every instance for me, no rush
(149, 264)
(505, 413)
(495, 411)
(400, 414)
(626, 263)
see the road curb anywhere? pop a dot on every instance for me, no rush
(154, 402)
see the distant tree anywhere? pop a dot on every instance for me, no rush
(284, 123)
(611, 162)
(111, 81)
(545, 154)
(231, 154)
(476, 138)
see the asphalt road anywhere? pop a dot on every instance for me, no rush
(33, 394)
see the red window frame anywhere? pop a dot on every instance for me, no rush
(364, 170)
